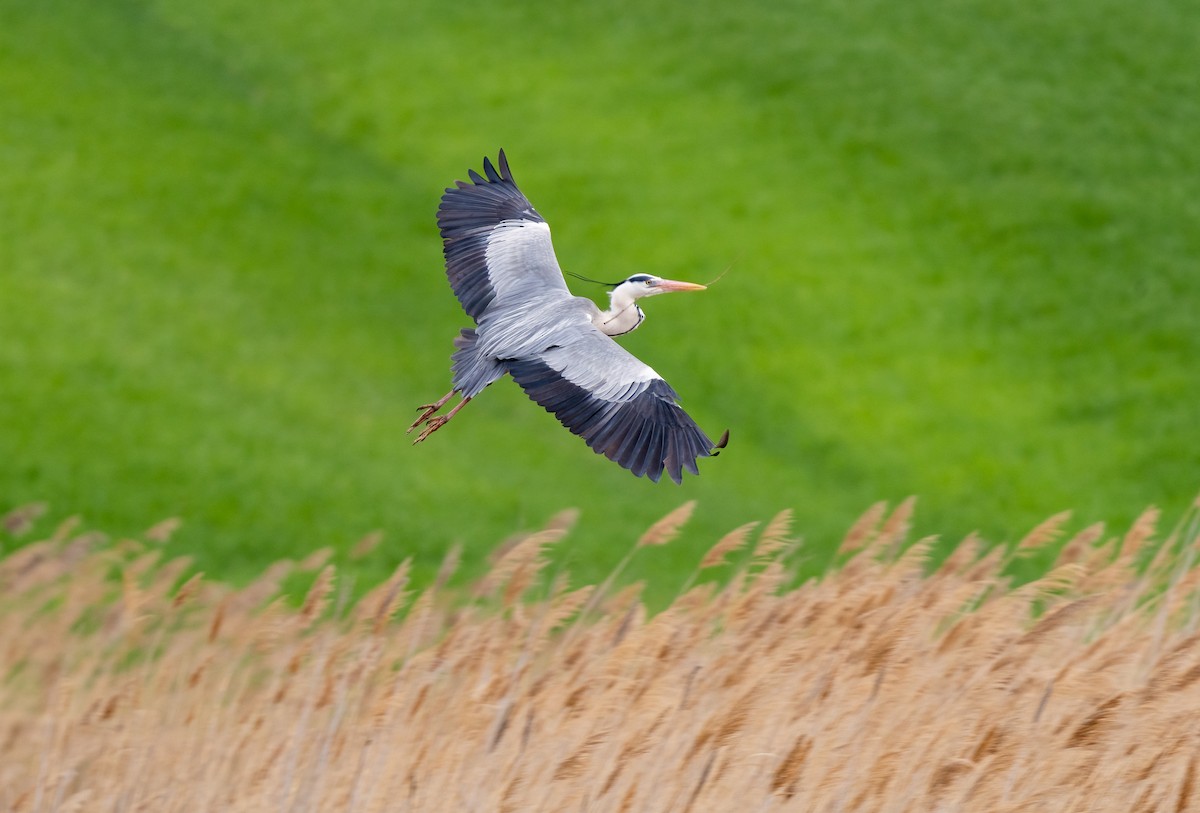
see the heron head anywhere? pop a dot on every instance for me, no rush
(640, 285)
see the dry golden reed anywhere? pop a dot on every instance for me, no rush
(1045, 532)
(667, 528)
(774, 536)
(890, 684)
(864, 528)
(727, 544)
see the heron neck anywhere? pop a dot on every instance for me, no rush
(622, 316)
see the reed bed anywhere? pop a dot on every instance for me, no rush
(889, 684)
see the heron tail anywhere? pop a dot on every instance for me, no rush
(472, 370)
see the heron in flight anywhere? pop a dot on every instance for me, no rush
(556, 346)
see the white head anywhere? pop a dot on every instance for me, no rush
(640, 285)
(623, 314)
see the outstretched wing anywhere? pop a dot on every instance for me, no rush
(496, 245)
(620, 406)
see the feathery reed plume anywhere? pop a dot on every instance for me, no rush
(895, 527)
(563, 521)
(1078, 546)
(774, 536)
(623, 600)
(965, 553)
(1096, 725)
(726, 545)
(637, 745)
(162, 531)
(573, 766)
(864, 528)
(1044, 533)
(217, 620)
(787, 774)
(187, 590)
(449, 565)
(65, 528)
(377, 607)
(667, 528)
(1057, 619)
(21, 519)
(912, 562)
(317, 598)
(132, 598)
(315, 560)
(519, 565)
(1141, 532)
(566, 606)
(368, 543)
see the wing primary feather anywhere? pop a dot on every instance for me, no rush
(633, 447)
(671, 456)
(492, 174)
(652, 454)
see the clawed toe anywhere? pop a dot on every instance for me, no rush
(432, 422)
(426, 411)
(432, 426)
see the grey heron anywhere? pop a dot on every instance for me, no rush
(556, 346)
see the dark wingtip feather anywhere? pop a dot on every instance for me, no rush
(490, 170)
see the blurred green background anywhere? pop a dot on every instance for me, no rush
(960, 237)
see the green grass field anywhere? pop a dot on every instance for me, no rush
(961, 247)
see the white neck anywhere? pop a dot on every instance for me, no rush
(623, 314)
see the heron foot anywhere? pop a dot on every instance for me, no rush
(427, 410)
(434, 424)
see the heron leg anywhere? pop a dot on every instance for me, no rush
(429, 409)
(437, 422)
